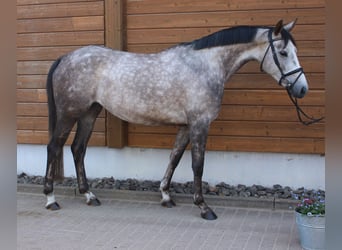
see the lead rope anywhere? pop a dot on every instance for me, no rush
(300, 112)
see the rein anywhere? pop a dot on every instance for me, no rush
(289, 85)
(300, 112)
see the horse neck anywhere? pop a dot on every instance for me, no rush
(234, 57)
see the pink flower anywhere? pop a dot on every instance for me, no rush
(308, 201)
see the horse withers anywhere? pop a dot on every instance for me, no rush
(181, 85)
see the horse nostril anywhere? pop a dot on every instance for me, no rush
(303, 91)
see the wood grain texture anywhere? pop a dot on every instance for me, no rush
(256, 114)
(47, 29)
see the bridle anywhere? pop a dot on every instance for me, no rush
(289, 85)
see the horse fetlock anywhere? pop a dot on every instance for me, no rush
(51, 203)
(48, 187)
(166, 200)
(83, 188)
(206, 212)
(169, 203)
(91, 199)
(198, 200)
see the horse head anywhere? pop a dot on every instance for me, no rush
(281, 62)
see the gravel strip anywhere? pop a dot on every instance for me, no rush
(221, 189)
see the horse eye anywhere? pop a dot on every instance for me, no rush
(283, 53)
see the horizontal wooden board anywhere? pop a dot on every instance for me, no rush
(32, 109)
(238, 81)
(78, 38)
(244, 128)
(267, 129)
(305, 48)
(34, 2)
(228, 18)
(74, 9)
(265, 113)
(179, 35)
(60, 24)
(174, 6)
(309, 64)
(239, 97)
(41, 123)
(264, 81)
(31, 95)
(267, 144)
(233, 143)
(270, 97)
(43, 53)
(227, 112)
(31, 81)
(230, 97)
(42, 137)
(38, 110)
(33, 67)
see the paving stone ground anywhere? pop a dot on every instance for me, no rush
(127, 224)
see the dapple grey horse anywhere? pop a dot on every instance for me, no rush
(181, 85)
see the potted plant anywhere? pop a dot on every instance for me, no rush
(310, 220)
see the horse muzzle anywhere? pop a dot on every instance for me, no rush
(298, 91)
(297, 88)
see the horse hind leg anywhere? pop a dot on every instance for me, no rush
(84, 129)
(182, 140)
(55, 159)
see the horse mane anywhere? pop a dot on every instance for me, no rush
(231, 36)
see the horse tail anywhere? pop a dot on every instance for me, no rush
(59, 166)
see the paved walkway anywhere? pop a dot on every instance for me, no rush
(127, 224)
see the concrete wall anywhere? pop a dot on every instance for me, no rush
(294, 170)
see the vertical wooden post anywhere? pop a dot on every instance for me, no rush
(116, 129)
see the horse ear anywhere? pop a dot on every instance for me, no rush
(290, 25)
(278, 27)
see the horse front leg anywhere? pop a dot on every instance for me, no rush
(182, 140)
(198, 144)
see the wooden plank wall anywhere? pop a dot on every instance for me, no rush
(47, 29)
(256, 113)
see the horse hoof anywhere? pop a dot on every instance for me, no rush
(209, 215)
(94, 202)
(168, 204)
(53, 206)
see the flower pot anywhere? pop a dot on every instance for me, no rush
(311, 231)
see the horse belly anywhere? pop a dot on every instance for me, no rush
(141, 113)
